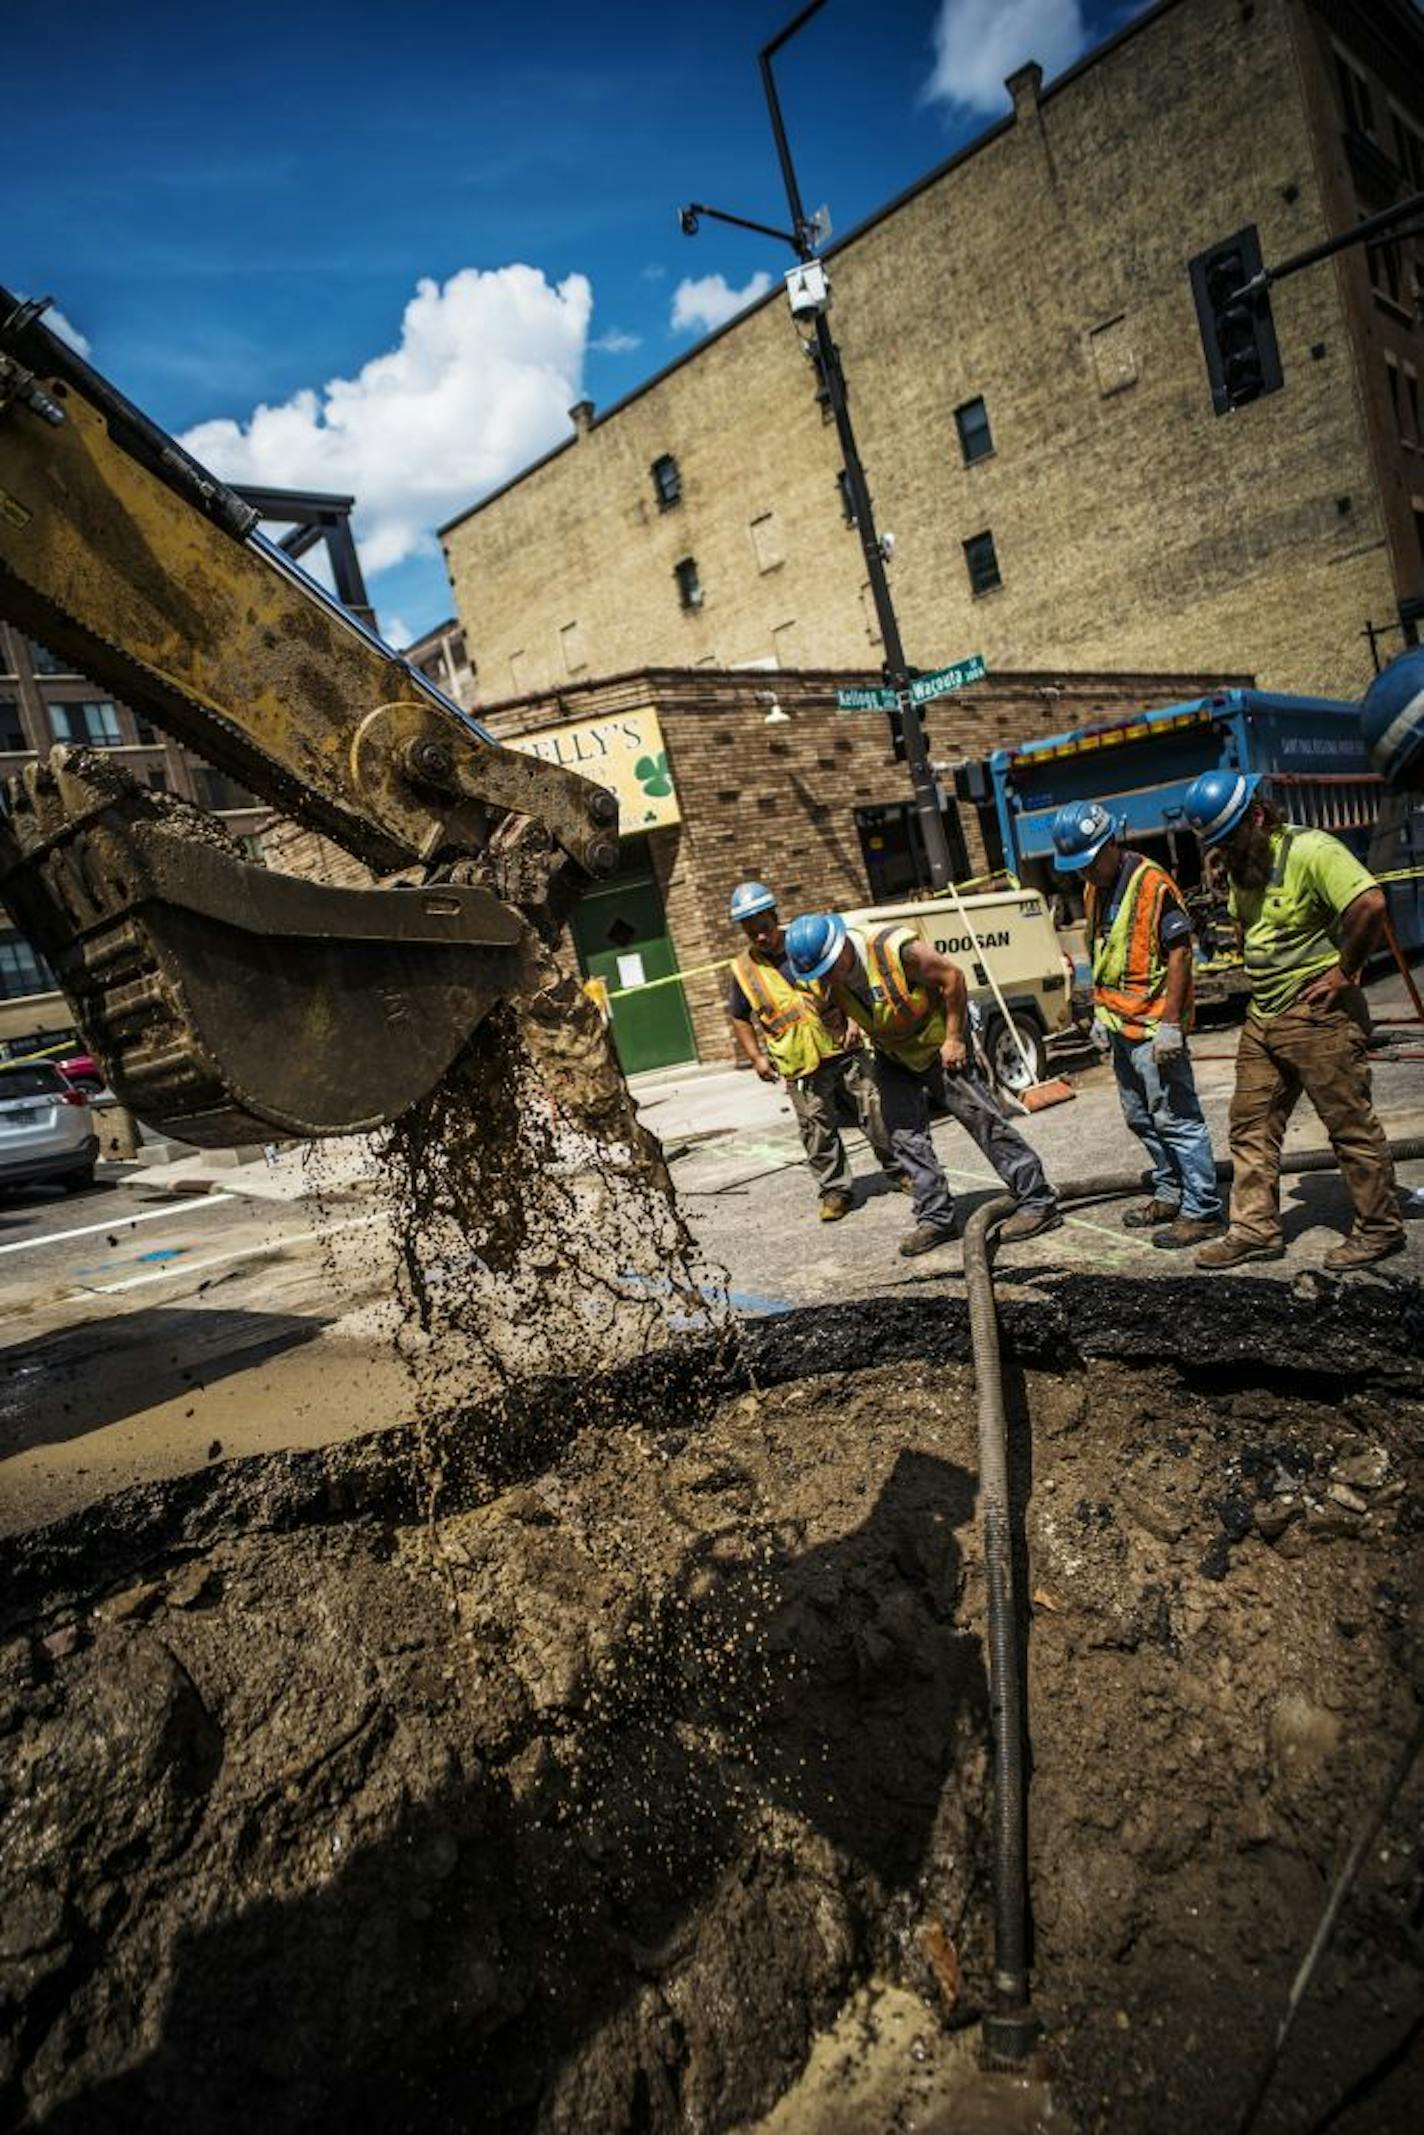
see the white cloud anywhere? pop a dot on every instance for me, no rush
(978, 43)
(616, 343)
(708, 302)
(397, 632)
(481, 383)
(653, 272)
(58, 324)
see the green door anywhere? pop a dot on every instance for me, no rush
(621, 937)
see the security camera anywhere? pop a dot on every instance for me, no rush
(807, 289)
(687, 221)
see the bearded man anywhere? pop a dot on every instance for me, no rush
(1310, 916)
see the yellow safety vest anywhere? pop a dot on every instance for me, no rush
(790, 1020)
(905, 1021)
(1129, 969)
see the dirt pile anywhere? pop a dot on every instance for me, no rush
(595, 1806)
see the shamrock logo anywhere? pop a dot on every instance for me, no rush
(653, 776)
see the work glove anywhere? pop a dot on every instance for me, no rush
(1167, 1044)
(1101, 1037)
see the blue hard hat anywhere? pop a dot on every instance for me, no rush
(1392, 720)
(1216, 802)
(813, 942)
(749, 898)
(1080, 831)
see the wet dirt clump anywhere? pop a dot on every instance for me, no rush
(599, 1803)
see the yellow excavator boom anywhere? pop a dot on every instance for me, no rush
(227, 1002)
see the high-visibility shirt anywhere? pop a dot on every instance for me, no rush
(901, 1019)
(1128, 946)
(1291, 929)
(792, 1027)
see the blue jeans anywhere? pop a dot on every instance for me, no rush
(1161, 1106)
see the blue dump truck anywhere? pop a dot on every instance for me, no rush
(1308, 748)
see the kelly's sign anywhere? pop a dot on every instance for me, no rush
(624, 753)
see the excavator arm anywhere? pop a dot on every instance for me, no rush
(226, 1002)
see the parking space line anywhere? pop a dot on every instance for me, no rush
(115, 1223)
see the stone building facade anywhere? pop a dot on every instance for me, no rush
(1031, 402)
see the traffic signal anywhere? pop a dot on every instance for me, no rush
(1238, 333)
(896, 722)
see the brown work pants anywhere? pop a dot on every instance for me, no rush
(1322, 1052)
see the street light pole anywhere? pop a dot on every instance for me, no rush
(896, 672)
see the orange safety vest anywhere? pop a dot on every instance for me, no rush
(1129, 969)
(906, 1021)
(790, 1018)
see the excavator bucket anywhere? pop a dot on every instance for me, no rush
(225, 1002)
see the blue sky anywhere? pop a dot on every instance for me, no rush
(466, 218)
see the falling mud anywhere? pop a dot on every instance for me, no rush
(656, 1799)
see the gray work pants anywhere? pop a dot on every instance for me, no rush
(905, 1100)
(841, 1089)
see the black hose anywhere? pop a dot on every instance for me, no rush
(1010, 2028)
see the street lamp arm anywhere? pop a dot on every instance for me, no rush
(691, 215)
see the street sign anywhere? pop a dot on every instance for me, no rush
(945, 679)
(867, 700)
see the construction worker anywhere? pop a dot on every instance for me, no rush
(797, 1038)
(1140, 947)
(1310, 915)
(1392, 721)
(913, 1005)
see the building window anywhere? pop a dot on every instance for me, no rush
(21, 970)
(157, 778)
(972, 423)
(215, 790)
(12, 733)
(667, 480)
(1355, 99)
(1383, 262)
(146, 732)
(689, 585)
(847, 500)
(767, 545)
(95, 725)
(981, 563)
(45, 662)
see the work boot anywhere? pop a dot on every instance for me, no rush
(834, 1206)
(1149, 1214)
(901, 1184)
(1358, 1252)
(1230, 1251)
(1187, 1230)
(1028, 1223)
(923, 1239)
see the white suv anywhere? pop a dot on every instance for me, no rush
(46, 1128)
